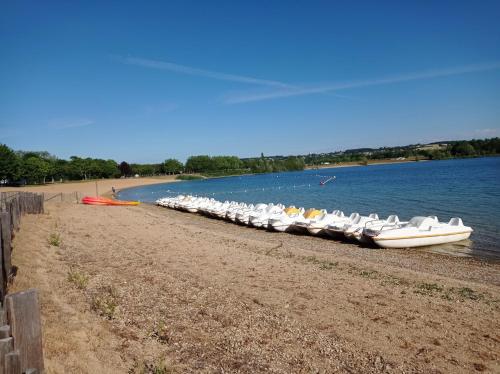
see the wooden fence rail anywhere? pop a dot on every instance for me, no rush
(20, 327)
(72, 197)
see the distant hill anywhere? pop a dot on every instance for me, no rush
(435, 150)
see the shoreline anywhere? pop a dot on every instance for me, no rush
(390, 161)
(356, 163)
(89, 187)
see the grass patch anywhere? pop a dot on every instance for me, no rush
(395, 281)
(54, 240)
(447, 296)
(183, 177)
(311, 259)
(470, 294)
(158, 367)
(323, 264)
(428, 288)
(370, 274)
(80, 280)
(328, 265)
(105, 302)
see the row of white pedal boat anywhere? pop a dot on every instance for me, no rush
(386, 233)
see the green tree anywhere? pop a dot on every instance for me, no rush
(80, 168)
(198, 164)
(172, 166)
(61, 170)
(294, 163)
(144, 169)
(9, 164)
(463, 148)
(35, 169)
(125, 169)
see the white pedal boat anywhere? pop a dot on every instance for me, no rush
(221, 210)
(317, 224)
(354, 229)
(211, 209)
(172, 203)
(336, 229)
(244, 215)
(231, 213)
(177, 202)
(422, 231)
(193, 205)
(286, 219)
(302, 222)
(374, 227)
(260, 219)
(205, 205)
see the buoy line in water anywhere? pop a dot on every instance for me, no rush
(246, 190)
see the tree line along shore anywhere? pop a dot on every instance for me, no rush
(32, 167)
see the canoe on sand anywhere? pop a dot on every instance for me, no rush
(91, 200)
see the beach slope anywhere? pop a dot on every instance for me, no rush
(129, 288)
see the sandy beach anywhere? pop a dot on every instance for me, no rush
(131, 289)
(89, 187)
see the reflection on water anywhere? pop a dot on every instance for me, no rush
(458, 249)
(468, 188)
(463, 248)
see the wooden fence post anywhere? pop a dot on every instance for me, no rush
(23, 312)
(6, 346)
(4, 331)
(3, 280)
(6, 246)
(13, 363)
(40, 204)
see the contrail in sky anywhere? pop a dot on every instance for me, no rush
(182, 69)
(300, 91)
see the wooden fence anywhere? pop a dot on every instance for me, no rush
(20, 327)
(72, 197)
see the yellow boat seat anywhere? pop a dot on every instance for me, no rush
(291, 210)
(311, 213)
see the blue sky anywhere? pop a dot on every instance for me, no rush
(145, 81)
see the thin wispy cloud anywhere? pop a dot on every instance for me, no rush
(429, 74)
(61, 123)
(188, 70)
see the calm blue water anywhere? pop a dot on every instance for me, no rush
(467, 188)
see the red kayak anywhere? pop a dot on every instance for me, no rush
(91, 200)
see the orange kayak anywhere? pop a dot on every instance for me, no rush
(91, 200)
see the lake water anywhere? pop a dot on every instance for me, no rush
(466, 188)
